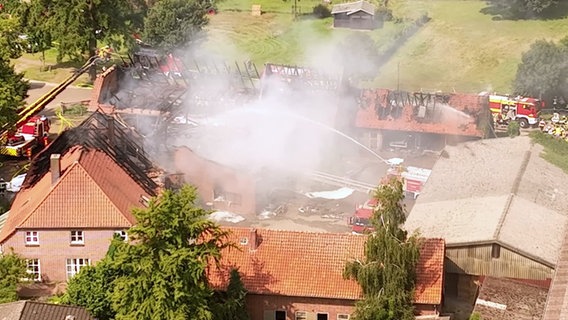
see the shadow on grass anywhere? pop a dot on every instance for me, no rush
(499, 11)
(67, 65)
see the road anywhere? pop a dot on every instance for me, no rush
(70, 94)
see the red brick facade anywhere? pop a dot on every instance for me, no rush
(55, 248)
(264, 307)
(237, 188)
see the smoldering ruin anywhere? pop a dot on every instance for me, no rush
(275, 146)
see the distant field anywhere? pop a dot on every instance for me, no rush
(460, 49)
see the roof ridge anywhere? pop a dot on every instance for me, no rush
(99, 187)
(514, 190)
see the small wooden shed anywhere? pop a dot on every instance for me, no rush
(354, 15)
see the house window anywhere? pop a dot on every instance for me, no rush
(33, 269)
(32, 238)
(301, 315)
(77, 237)
(495, 251)
(322, 316)
(279, 315)
(75, 265)
(122, 234)
(342, 316)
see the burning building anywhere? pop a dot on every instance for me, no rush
(406, 120)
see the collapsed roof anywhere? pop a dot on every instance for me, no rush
(450, 114)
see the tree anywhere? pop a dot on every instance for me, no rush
(388, 271)
(92, 287)
(521, 9)
(543, 71)
(231, 305)
(10, 43)
(78, 25)
(33, 18)
(172, 24)
(13, 92)
(12, 271)
(163, 268)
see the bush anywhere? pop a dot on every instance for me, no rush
(475, 316)
(321, 11)
(384, 14)
(513, 129)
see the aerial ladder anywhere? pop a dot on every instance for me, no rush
(32, 110)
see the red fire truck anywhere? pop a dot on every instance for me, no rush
(360, 222)
(30, 136)
(522, 109)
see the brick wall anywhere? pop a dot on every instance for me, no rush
(263, 307)
(105, 84)
(54, 249)
(205, 175)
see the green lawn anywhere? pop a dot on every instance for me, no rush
(460, 49)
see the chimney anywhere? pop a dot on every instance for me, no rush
(110, 130)
(55, 167)
(253, 239)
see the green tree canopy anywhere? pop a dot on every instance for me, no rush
(172, 24)
(522, 9)
(10, 44)
(231, 305)
(77, 25)
(13, 92)
(160, 274)
(543, 71)
(12, 270)
(387, 274)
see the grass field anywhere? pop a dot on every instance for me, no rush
(460, 49)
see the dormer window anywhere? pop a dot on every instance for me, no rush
(32, 238)
(77, 237)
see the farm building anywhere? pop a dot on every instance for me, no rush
(417, 120)
(354, 15)
(299, 275)
(499, 206)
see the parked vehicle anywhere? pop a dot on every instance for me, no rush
(525, 110)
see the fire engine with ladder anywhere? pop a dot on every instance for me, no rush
(30, 132)
(525, 110)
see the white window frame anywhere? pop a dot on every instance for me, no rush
(122, 234)
(74, 265)
(300, 315)
(343, 316)
(77, 237)
(33, 263)
(31, 238)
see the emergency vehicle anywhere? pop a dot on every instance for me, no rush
(525, 110)
(360, 222)
(29, 137)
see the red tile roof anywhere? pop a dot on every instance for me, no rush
(92, 192)
(308, 264)
(451, 123)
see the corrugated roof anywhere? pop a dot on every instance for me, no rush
(496, 190)
(32, 310)
(307, 264)
(352, 7)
